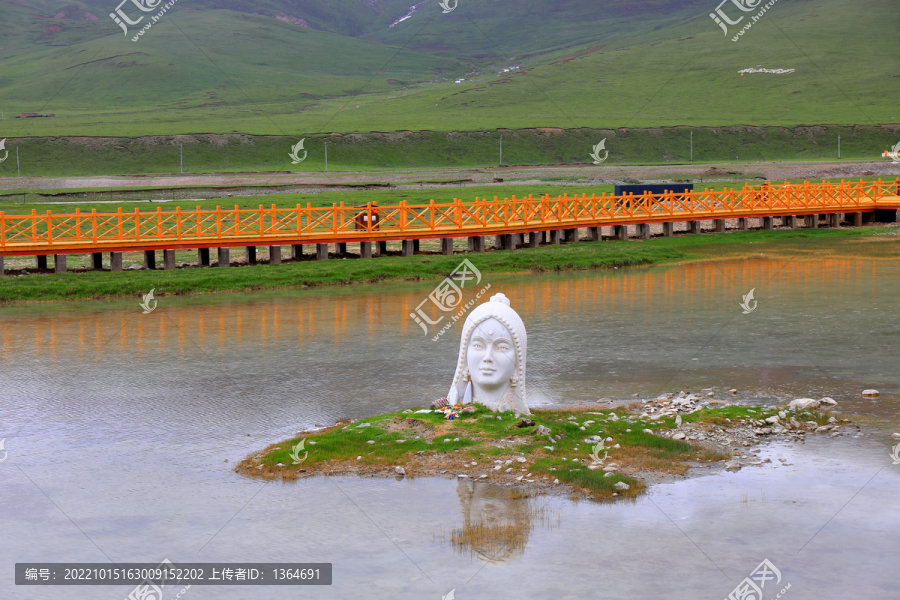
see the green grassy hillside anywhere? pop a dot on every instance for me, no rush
(224, 71)
(44, 156)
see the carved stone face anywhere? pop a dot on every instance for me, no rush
(491, 356)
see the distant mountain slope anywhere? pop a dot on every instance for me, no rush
(224, 71)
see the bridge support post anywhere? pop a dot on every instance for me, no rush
(447, 246)
(812, 221)
(571, 235)
(477, 243)
(150, 259)
(643, 231)
(620, 232)
(857, 219)
(695, 226)
(203, 257)
(382, 248)
(59, 263)
(790, 221)
(296, 251)
(224, 257)
(2, 270)
(668, 229)
(509, 241)
(340, 248)
(742, 224)
(274, 255)
(720, 225)
(169, 259)
(534, 239)
(250, 254)
(470, 244)
(768, 222)
(834, 219)
(41, 261)
(554, 236)
(365, 249)
(97, 261)
(407, 248)
(321, 251)
(594, 232)
(115, 262)
(518, 239)
(498, 242)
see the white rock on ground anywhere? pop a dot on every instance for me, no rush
(896, 436)
(678, 436)
(804, 403)
(650, 431)
(827, 400)
(400, 470)
(870, 392)
(621, 485)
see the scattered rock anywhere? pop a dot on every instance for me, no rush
(371, 442)
(896, 436)
(525, 423)
(520, 459)
(363, 425)
(621, 485)
(650, 431)
(543, 430)
(678, 421)
(462, 475)
(678, 436)
(608, 474)
(804, 404)
(400, 470)
(829, 401)
(773, 419)
(732, 391)
(870, 393)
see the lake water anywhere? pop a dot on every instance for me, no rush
(117, 426)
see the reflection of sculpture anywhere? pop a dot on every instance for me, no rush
(496, 526)
(491, 365)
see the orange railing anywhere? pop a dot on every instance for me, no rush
(95, 231)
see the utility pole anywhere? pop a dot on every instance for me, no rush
(692, 146)
(326, 157)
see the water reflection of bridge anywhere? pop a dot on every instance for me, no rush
(544, 220)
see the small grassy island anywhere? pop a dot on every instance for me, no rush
(594, 451)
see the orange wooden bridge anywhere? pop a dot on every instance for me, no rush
(97, 232)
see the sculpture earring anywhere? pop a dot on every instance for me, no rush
(467, 397)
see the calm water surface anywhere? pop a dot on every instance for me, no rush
(118, 425)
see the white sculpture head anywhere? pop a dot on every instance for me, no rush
(492, 358)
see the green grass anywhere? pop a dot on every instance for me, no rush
(796, 244)
(228, 72)
(68, 156)
(390, 440)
